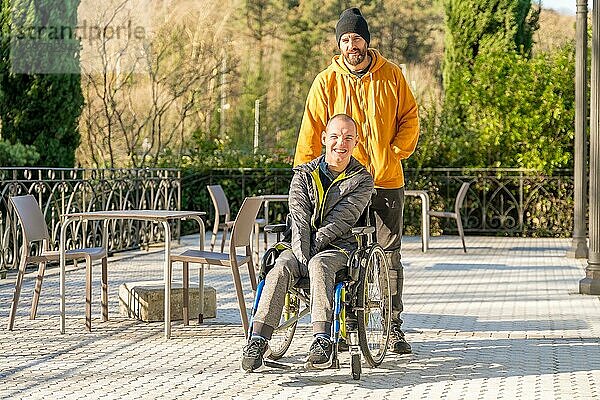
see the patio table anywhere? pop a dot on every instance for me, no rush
(159, 216)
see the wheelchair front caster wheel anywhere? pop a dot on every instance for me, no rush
(356, 367)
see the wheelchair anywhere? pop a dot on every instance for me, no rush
(362, 304)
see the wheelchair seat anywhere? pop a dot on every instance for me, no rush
(340, 276)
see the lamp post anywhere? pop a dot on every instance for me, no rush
(579, 248)
(591, 283)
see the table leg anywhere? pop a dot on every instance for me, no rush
(426, 222)
(424, 230)
(61, 250)
(167, 277)
(105, 271)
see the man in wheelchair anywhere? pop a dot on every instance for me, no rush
(327, 197)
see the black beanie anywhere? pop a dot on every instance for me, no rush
(351, 20)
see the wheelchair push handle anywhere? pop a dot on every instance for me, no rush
(278, 229)
(275, 228)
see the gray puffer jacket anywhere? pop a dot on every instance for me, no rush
(321, 219)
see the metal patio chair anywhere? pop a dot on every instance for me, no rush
(223, 217)
(34, 229)
(240, 237)
(458, 203)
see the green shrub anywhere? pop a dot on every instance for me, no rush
(17, 155)
(520, 112)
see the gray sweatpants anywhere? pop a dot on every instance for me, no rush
(287, 270)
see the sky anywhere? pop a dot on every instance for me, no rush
(564, 6)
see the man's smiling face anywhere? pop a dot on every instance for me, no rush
(353, 48)
(339, 139)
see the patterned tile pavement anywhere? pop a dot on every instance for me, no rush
(504, 321)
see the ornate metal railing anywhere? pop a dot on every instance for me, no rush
(63, 190)
(237, 184)
(499, 201)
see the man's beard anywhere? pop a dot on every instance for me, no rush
(356, 58)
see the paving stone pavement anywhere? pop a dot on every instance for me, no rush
(504, 321)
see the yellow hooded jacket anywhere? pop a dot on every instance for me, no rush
(383, 107)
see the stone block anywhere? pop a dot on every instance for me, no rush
(145, 301)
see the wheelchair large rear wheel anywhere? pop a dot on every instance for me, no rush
(284, 333)
(374, 305)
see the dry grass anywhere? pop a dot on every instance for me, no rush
(555, 30)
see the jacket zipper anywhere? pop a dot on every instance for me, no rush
(340, 177)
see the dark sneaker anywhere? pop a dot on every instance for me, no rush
(253, 354)
(319, 355)
(398, 343)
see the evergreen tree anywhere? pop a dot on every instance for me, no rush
(261, 24)
(40, 85)
(405, 32)
(308, 49)
(474, 27)
(503, 107)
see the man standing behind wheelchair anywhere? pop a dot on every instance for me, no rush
(360, 82)
(327, 197)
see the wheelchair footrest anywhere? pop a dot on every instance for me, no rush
(276, 364)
